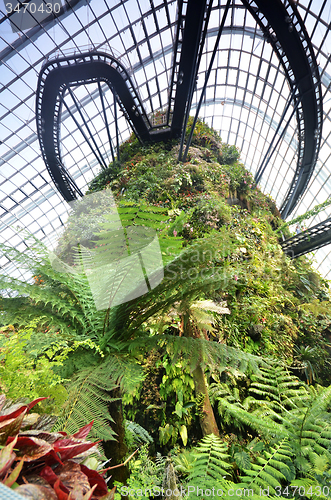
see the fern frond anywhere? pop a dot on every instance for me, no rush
(308, 487)
(210, 470)
(209, 354)
(175, 288)
(269, 471)
(138, 435)
(242, 460)
(127, 374)
(320, 463)
(277, 387)
(266, 426)
(89, 394)
(211, 459)
(60, 299)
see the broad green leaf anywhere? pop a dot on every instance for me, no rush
(183, 434)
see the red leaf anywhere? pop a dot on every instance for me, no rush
(49, 437)
(60, 494)
(68, 451)
(24, 408)
(7, 457)
(84, 431)
(49, 475)
(10, 427)
(36, 492)
(31, 448)
(68, 441)
(94, 478)
(71, 475)
(10, 480)
(34, 403)
(13, 414)
(52, 458)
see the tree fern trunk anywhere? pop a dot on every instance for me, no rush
(117, 450)
(206, 414)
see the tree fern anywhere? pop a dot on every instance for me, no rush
(64, 300)
(60, 299)
(210, 354)
(128, 229)
(205, 259)
(125, 256)
(202, 312)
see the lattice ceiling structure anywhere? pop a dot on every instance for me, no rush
(245, 98)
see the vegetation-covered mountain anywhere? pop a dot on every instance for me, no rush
(231, 345)
(276, 303)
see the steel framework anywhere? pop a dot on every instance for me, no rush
(284, 30)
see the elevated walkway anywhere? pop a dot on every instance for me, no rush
(282, 27)
(309, 240)
(55, 80)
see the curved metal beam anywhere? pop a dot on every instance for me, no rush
(284, 29)
(58, 74)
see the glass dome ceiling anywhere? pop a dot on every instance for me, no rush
(244, 100)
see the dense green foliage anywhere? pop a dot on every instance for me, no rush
(213, 191)
(234, 338)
